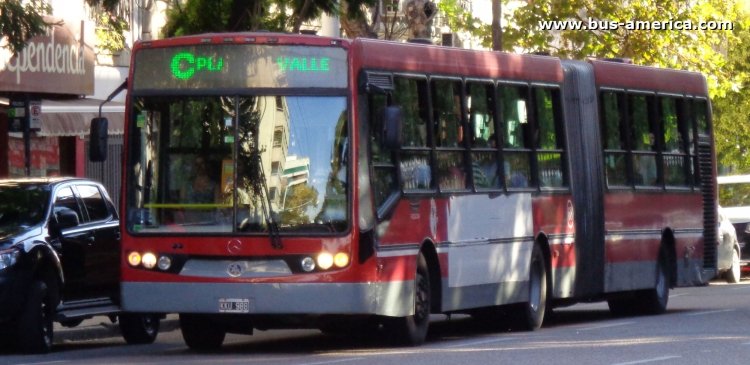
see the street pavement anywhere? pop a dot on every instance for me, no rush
(101, 327)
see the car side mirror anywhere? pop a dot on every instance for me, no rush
(98, 139)
(66, 218)
(392, 122)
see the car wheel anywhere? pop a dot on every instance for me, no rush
(139, 328)
(733, 274)
(35, 321)
(200, 333)
(412, 330)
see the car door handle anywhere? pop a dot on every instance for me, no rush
(90, 239)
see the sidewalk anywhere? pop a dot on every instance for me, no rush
(101, 327)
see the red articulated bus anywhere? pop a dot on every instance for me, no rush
(277, 180)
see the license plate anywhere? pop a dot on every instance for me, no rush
(234, 305)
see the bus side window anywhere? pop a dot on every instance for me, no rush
(673, 124)
(549, 137)
(613, 140)
(643, 139)
(514, 128)
(384, 170)
(414, 156)
(483, 137)
(449, 134)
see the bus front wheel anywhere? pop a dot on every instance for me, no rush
(412, 330)
(200, 333)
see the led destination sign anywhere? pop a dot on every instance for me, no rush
(239, 66)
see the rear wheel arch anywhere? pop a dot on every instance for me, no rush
(46, 267)
(543, 242)
(429, 252)
(668, 252)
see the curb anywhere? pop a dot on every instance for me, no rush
(101, 327)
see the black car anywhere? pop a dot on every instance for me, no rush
(60, 261)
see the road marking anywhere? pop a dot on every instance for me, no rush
(605, 326)
(332, 361)
(645, 361)
(46, 362)
(677, 295)
(710, 312)
(480, 342)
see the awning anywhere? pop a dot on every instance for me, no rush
(73, 117)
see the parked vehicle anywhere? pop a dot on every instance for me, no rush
(59, 261)
(728, 251)
(734, 198)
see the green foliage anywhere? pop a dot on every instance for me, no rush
(19, 22)
(696, 50)
(460, 20)
(110, 32)
(201, 16)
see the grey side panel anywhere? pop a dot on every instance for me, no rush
(587, 176)
(388, 299)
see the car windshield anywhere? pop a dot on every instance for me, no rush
(238, 164)
(21, 207)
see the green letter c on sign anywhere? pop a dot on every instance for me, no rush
(177, 62)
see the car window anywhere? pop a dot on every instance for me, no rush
(65, 200)
(94, 202)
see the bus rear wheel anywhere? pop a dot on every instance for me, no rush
(200, 333)
(412, 330)
(654, 301)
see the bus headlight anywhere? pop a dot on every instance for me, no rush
(134, 259)
(164, 263)
(341, 259)
(308, 264)
(148, 260)
(325, 260)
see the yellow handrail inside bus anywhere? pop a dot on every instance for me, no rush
(186, 206)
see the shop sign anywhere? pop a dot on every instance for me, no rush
(59, 62)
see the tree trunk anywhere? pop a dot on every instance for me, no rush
(497, 29)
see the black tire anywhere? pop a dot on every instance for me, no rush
(654, 301)
(139, 328)
(529, 316)
(732, 275)
(412, 330)
(200, 333)
(35, 322)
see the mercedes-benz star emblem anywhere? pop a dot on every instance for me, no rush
(234, 269)
(234, 247)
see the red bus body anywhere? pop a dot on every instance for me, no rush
(599, 241)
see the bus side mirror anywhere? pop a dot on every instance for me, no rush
(392, 122)
(98, 140)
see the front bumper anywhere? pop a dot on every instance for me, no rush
(388, 299)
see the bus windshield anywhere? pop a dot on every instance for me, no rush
(237, 164)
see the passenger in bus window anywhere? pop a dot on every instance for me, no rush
(202, 189)
(515, 172)
(645, 164)
(646, 169)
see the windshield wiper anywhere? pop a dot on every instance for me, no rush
(273, 227)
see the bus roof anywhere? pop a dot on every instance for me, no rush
(246, 38)
(733, 179)
(635, 77)
(425, 58)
